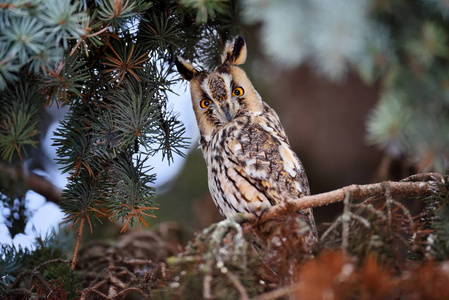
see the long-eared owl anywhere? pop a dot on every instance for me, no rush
(250, 163)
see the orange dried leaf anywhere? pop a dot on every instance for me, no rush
(330, 273)
(377, 282)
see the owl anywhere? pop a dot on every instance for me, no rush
(250, 163)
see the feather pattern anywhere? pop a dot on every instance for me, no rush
(250, 163)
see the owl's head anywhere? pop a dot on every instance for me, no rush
(220, 96)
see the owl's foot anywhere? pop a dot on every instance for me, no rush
(259, 216)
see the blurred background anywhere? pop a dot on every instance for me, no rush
(361, 87)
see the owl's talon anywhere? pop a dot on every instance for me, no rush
(259, 216)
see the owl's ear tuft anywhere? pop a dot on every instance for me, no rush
(185, 69)
(234, 52)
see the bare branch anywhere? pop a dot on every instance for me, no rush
(408, 187)
(33, 182)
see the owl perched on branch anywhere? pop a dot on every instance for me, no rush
(250, 163)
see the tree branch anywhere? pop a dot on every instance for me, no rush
(413, 186)
(32, 182)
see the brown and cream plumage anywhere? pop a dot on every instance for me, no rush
(250, 163)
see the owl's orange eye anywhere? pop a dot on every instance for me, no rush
(238, 92)
(204, 103)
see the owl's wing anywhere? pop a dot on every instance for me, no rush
(268, 168)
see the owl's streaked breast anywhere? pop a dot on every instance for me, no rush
(229, 185)
(250, 168)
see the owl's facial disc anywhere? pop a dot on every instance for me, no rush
(218, 88)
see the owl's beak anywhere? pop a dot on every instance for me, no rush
(225, 108)
(224, 112)
(228, 116)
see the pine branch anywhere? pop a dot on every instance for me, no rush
(17, 130)
(416, 185)
(34, 182)
(206, 9)
(110, 62)
(116, 13)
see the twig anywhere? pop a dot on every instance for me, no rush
(330, 229)
(406, 213)
(388, 202)
(361, 220)
(342, 220)
(137, 262)
(88, 291)
(21, 292)
(131, 289)
(238, 285)
(370, 208)
(44, 283)
(346, 218)
(36, 269)
(424, 177)
(278, 293)
(52, 261)
(410, 189)
(78, 242)
(207, 290)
